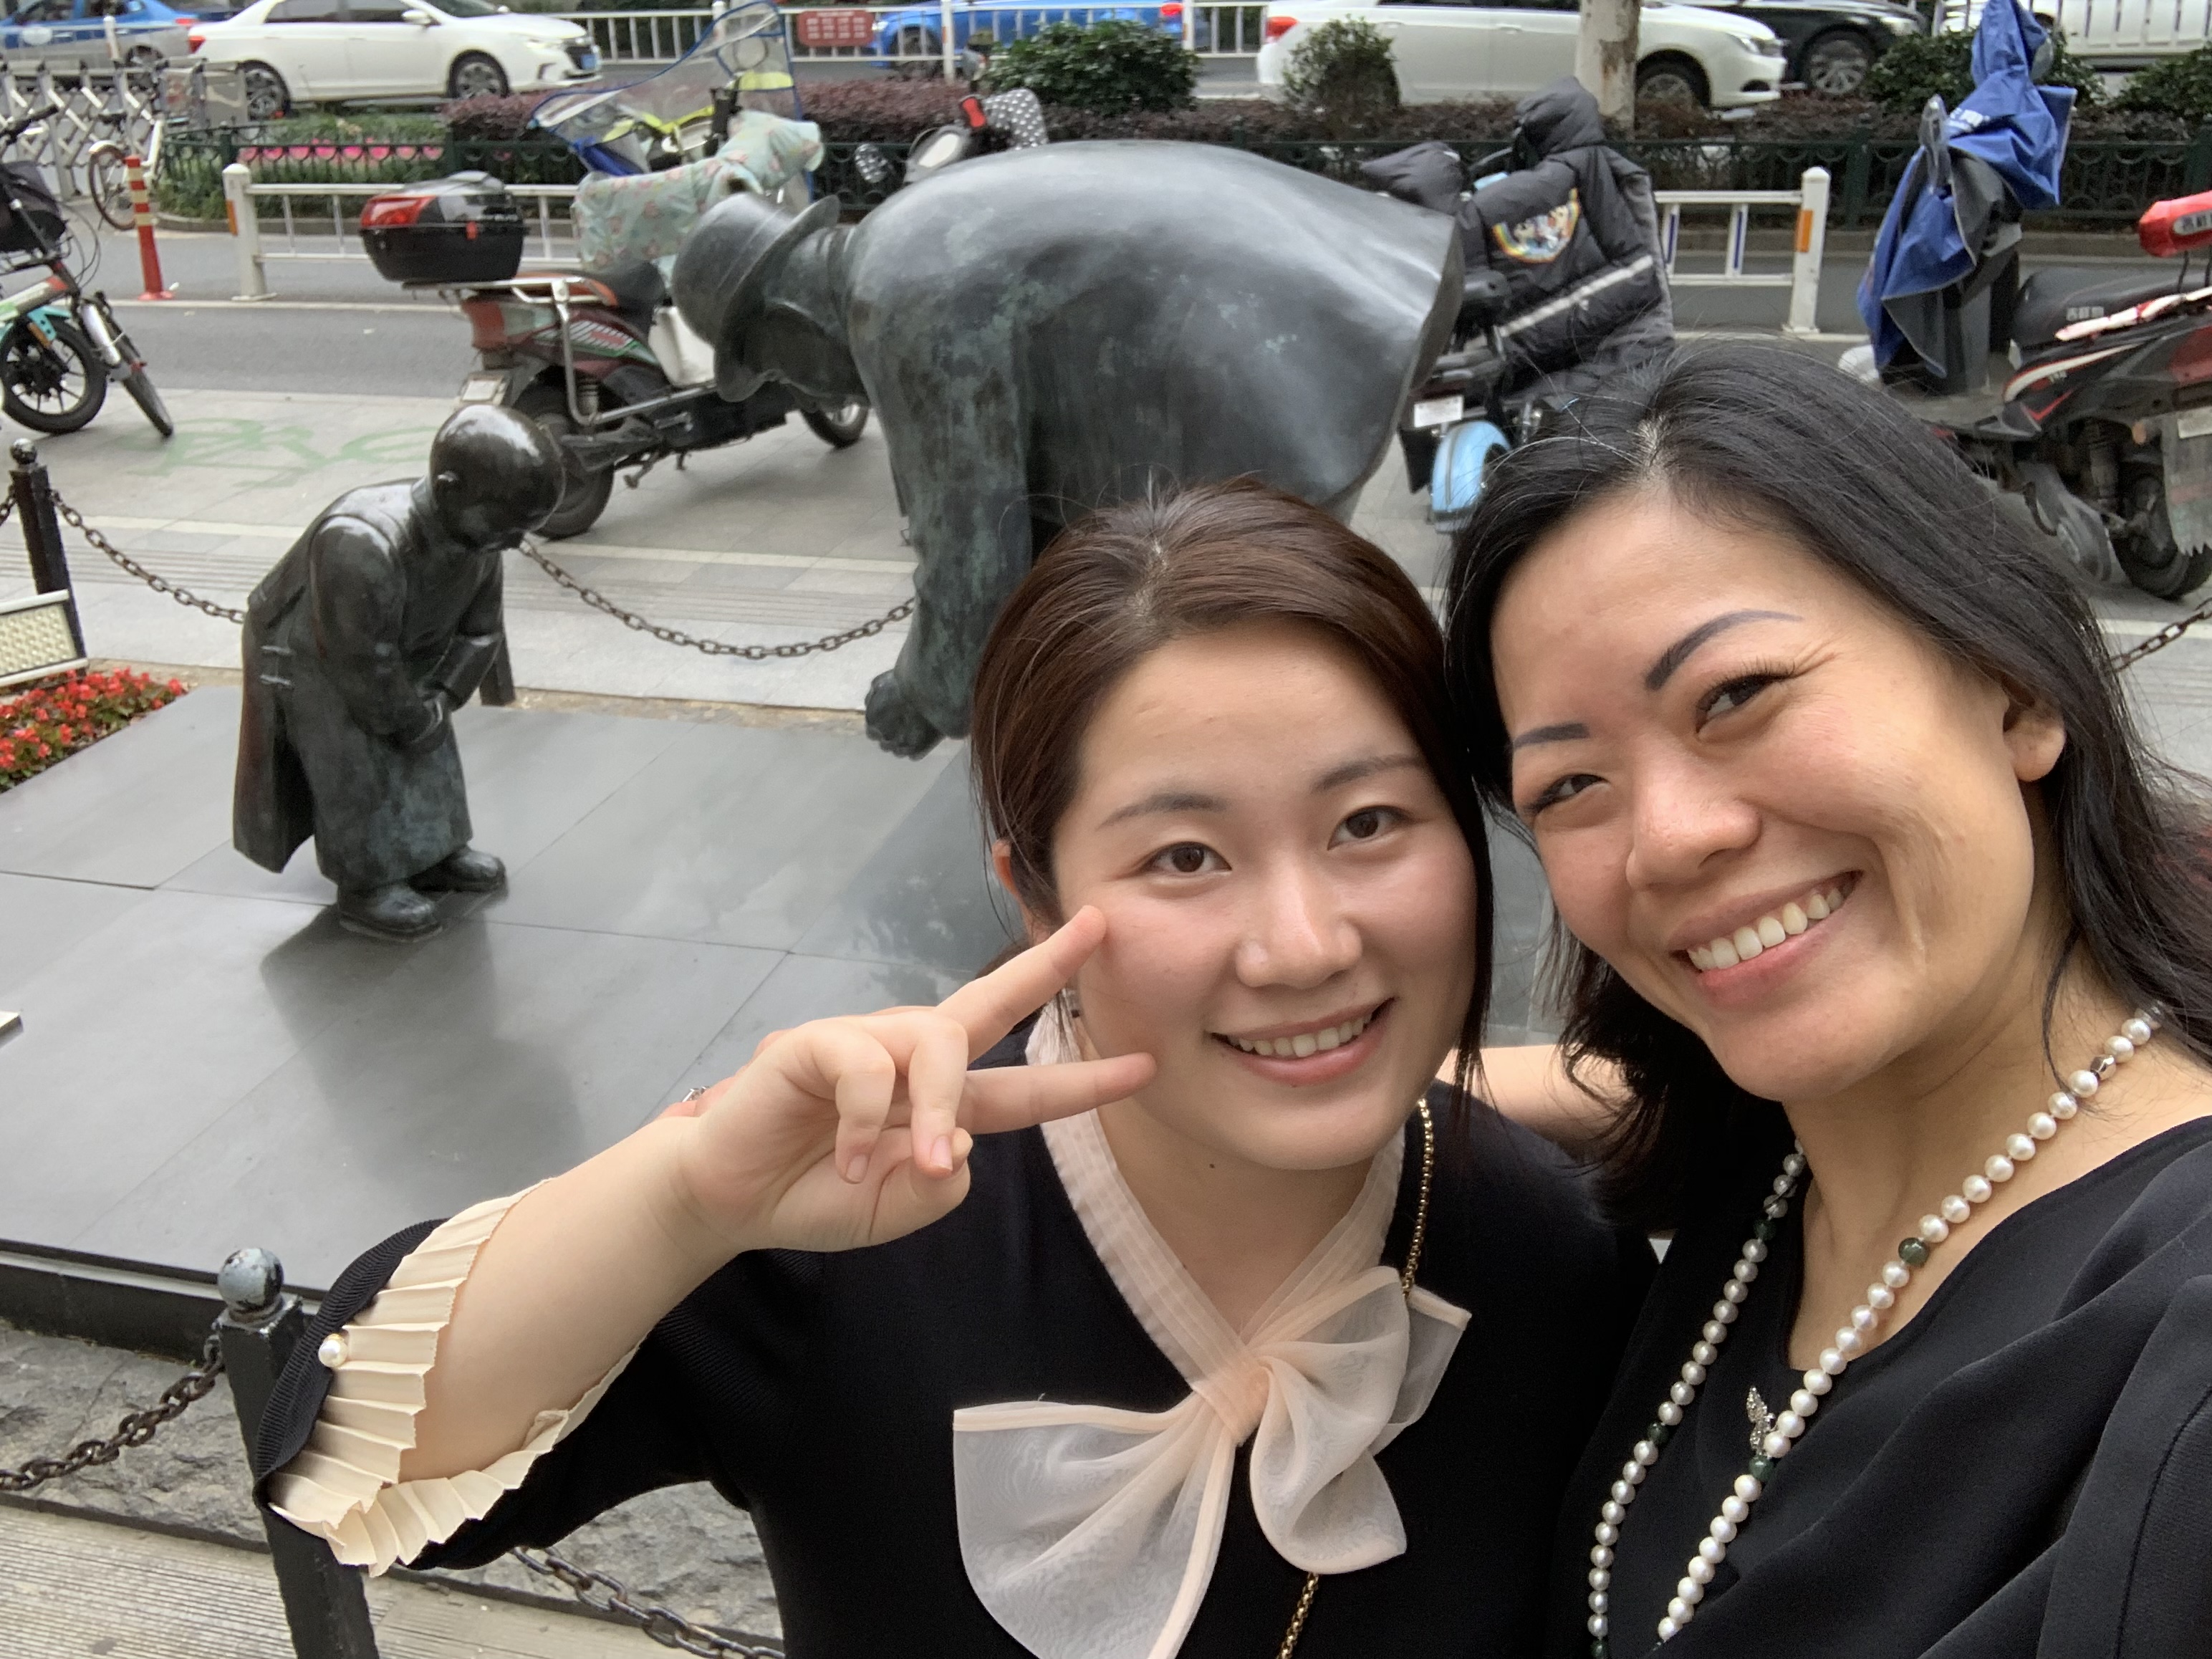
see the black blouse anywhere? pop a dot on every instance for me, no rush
(2025, 1469)
(817, 1391)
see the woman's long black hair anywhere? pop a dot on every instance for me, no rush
(1771, 439)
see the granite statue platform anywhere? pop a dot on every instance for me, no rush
(207, 1061)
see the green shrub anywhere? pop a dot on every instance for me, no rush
(2173, 86)
(1341, 74)
(1113, 68)
(1922, 66)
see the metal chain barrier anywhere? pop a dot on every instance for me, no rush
(590, 596)
(668, 636)
(182, 596)
(2158, 641)
(598, 1591)
(136, 1429)
(2121, 661)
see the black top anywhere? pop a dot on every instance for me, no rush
(2025, 1469)
(817, 1391)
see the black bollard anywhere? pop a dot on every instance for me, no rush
(34, 495)
(324, 1602)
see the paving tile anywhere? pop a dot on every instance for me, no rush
(928, 896)
(146, 1031)
(760, 577)
(531, 773)
(136, 808)
(41, 919)
(489, 1058)
(1522, 906)
(804, 987)
(733, 834)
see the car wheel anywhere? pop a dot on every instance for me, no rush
(1836, 64)
(476, 76)
(918, 53)
(1670, 80)
(267, 97)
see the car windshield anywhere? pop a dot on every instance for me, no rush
(468, 8)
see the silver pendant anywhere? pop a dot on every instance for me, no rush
(1762, 1420)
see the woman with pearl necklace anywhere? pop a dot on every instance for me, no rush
(1902, 946)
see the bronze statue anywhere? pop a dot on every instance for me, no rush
(359, 645)
(1051, 330)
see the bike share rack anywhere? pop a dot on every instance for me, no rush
(120, 109)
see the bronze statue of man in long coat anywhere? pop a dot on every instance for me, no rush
(380, 621)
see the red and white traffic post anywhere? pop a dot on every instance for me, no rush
(142, 215)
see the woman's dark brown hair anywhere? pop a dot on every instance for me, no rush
(1124, 581)
(1759, 436)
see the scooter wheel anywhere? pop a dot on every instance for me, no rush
(2155, 562)
(584, 491)
(55, 388)
(840, 428)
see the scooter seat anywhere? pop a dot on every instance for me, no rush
(2052, 299)
(638, 289)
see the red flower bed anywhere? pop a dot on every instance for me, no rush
(58, 717)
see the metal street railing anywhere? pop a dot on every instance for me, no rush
(910, 34)
(327, 239)
(1803, 279)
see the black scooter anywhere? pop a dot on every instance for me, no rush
(2087, 396)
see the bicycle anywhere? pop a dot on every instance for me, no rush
(59, 345)
(106, 176)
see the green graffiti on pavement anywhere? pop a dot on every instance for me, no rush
(274, 454)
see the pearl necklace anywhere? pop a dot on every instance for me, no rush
(1777, 1434)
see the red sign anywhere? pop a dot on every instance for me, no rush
(853, 26)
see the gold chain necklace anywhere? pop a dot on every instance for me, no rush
(1305, 1608)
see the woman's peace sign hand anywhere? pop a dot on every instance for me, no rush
(848, 1132)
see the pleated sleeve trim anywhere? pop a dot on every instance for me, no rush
(344, 1486)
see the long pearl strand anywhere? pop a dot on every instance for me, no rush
(1851, 1340)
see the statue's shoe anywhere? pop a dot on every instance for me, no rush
(466, 871)
(395, 912)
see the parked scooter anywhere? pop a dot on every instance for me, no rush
(1010, 120)
(2105, 428)
(600, 357)
(2100, 420)
(60, 345)
(1566, 283)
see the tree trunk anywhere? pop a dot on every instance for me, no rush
(1605, 60)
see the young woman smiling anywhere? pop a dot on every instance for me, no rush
(1258, 1342)
(1905, 949)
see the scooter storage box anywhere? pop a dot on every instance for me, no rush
(465, 228)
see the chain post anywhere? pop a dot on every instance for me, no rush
(262, 1323)
(31, 495)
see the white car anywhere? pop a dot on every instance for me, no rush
(328, 51)
(1471, 51)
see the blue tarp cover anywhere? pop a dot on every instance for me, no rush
(2016, 126)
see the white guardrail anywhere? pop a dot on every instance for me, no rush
(1803, 279)
(251, 239)
(857, 33)
(553, 236)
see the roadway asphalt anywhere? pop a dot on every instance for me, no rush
(335, 325)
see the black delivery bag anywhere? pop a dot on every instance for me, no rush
(39, 228)
(465, 228)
